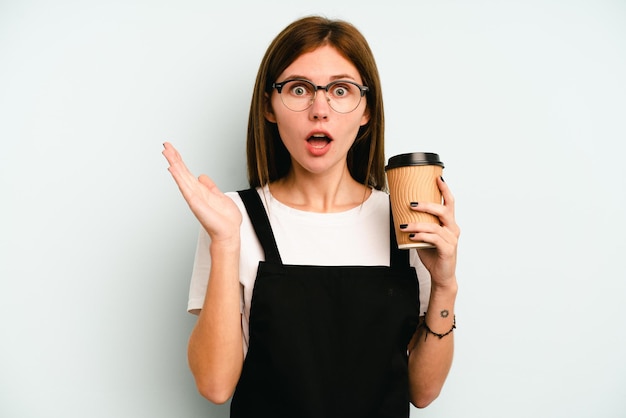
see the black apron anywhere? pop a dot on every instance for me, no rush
(326, 341)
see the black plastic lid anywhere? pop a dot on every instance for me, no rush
(413, 158)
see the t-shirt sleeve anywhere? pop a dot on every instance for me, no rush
(423, 276)
(200, 273)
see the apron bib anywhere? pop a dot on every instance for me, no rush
(326, 341)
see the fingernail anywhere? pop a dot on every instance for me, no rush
(403, 226)
(413, 204)
(441, 177)
(411, 235)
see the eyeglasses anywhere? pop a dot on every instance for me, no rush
(343, 96)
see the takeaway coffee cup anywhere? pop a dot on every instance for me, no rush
(412, 177)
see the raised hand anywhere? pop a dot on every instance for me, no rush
(215, 211)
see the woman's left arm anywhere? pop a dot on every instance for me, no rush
(432, 346)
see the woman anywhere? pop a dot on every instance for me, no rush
(310, 310)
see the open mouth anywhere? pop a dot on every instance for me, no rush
(318, 141)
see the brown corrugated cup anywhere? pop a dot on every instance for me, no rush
(413, 177)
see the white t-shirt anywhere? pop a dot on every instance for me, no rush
(358, 237)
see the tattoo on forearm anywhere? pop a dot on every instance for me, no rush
(444, 313)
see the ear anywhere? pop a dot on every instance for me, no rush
(366, 117)
(269, 111)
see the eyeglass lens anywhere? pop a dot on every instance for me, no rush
(342, 96)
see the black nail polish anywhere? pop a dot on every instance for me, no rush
(403, 226)
(441, 177)
(411, 235)
(413, 204)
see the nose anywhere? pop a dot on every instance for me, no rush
(320, 108)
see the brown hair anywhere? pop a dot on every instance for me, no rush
(268, 159)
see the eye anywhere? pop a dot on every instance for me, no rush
(342, 90)
(300, 89)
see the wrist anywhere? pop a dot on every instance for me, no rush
(424, 324)
(440, 314)
(444, 288)
(225, 246)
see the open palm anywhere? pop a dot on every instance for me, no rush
(215, 211)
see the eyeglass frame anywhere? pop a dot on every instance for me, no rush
(279, 87)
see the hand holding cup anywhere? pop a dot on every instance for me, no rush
(413, 178)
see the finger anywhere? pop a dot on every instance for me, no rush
(444, 211)
(171, 154)
(448, 198)
(430, 229)
(206, 181)
(177, 165)
(444, 243)
(441, 246)
(168, 149)
(184, 178)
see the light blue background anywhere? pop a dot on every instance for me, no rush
(524, 100)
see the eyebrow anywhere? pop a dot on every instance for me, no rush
(332, 78)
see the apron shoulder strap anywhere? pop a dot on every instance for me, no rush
(261, 223)
(398, 257)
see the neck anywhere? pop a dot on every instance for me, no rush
(329, 192)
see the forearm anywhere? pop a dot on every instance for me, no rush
(430, 357)
(215, 350)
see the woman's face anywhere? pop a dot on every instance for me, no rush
(318, 138)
